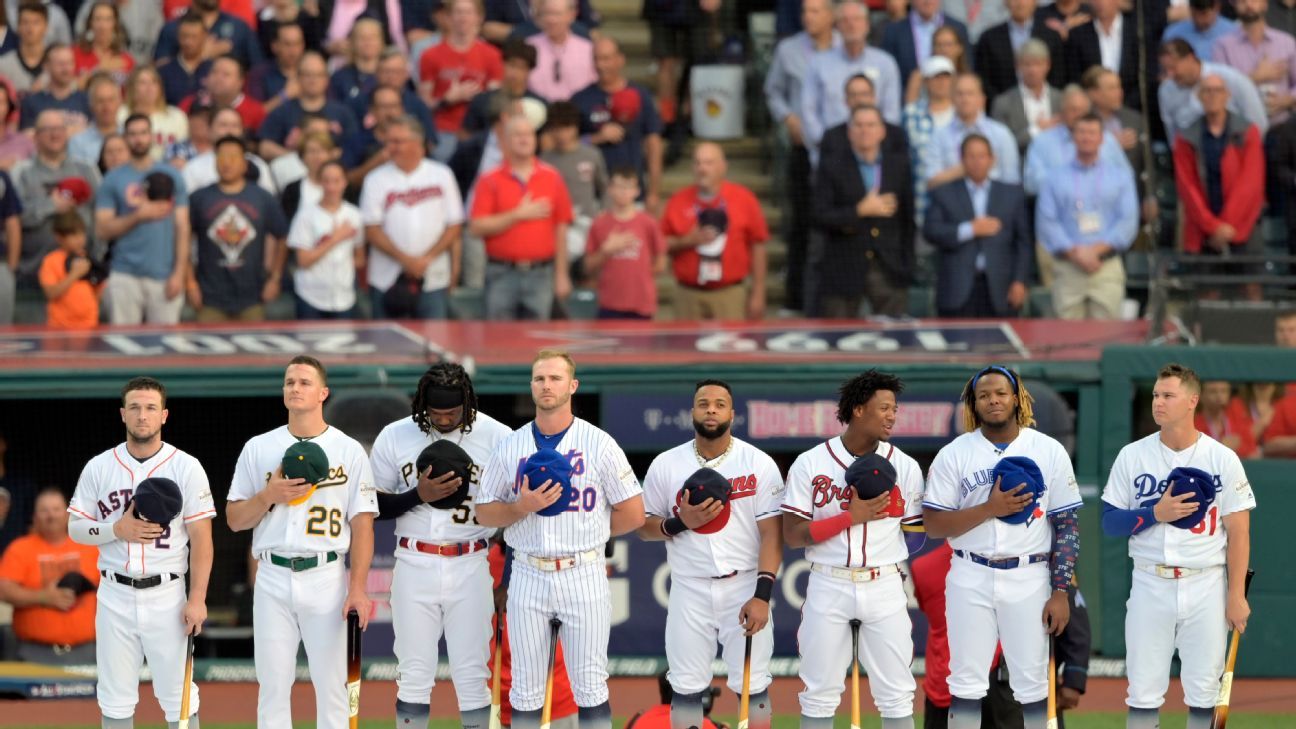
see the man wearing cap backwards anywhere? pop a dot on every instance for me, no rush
(442, 582)
(1189, 573)
(715, 547)
(306, 491)
(855, 546)
(145, 548)
(558, 563)
(1005, 496)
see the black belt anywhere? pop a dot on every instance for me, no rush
(1104, 256)
(139, 583)
(1004, 563)
(523, 265)
(725, 577)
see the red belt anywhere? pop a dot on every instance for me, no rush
(443, 550)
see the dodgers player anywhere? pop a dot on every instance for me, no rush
(856, 548)
(301, 592)
(1008, 582)
(143, 612)
(716, 589)
(558, 562)
(441, 583)
(1187, 583)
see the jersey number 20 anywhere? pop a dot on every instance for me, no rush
(324, 520)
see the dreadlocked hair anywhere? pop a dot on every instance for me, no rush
(1025, 414)
(444, 376)
(859, 389)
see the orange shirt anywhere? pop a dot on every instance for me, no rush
(745, 227)
(78, 307)
(34, 563)
(500, 190)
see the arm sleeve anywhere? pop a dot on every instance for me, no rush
(1007, 158)
(797, 496)
(1048, 223)
(889, 94)
(1118, 522)
(811, 93)
(776, 86)
(391, 506)
(770, 489)
(1126, 215)
(1066, 547)
(1036, 168)
(85, 531)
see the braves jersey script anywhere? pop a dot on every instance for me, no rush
(757, 492)
(963, 474)
(104, 492)
(601, 477)
(394, 456)
(816, 489)
(323, 522)
(1138, 479)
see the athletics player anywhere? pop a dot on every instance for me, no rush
(1188, 583)
(1008, 581)
(558, 562)
(143, 612)
(442, 582)
(721, 581)
(855, 547)
(301, 534)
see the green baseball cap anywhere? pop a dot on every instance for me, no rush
(304, 459)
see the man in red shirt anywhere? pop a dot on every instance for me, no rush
(224, 87)
(1217, 418)
(457, 69)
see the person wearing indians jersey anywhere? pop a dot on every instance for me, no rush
(441, 583)
(1008, 581)
(855, 548)
(1188, 583)
(721, 580)
(301, 535)
(143, 612)
(558, 562)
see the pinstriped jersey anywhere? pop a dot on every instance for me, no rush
(601, 477)
(104, 492)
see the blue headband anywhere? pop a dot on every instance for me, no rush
(995, 369)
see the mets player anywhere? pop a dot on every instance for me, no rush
(1008, 581)
(558, 562)
(1187, 582)
(721, 580)
(441, 583)
(301, 534)
(855, 547)
(143, 611)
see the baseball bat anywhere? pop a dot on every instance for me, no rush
(1226, 683)
(547, 711)
(855, 701)
(744, 704)
(353, 668)
(497, 680)
(188, 683)
(1052, 722)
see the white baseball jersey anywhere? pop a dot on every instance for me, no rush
(414, 210)
(817, 489)
(394, 458)
(962, 475)
(329, 285)
(757, 492)
(601, 476)
(104, 492)
(323, 522)
(1138, 479)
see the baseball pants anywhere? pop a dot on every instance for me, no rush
(702, 610)
(132, 626)
(985, 606)
(1164, 615)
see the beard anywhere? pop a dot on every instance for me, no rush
(1248, 17)
(141, 435)
(711, 433)
(997, 422)
(561, 401)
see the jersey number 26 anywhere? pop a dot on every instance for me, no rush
(323, 521)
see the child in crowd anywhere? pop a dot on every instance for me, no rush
(625, 251)
(328, 238)
(71, 281)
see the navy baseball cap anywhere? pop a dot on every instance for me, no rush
(1015, 471)
(707, 483)
(444, 456)
(157, 500)
(548, 464)
(871, 476)
(1200, 484)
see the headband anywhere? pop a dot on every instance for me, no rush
(443, 398)
(995, 370)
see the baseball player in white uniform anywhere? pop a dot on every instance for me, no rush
(1187, 583)
(442, 583)
(302, 593)
(856, 548)
(1008, 582)
(558, 562)
(720, 581)
(143, 612)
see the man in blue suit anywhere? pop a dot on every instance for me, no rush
(910, 41)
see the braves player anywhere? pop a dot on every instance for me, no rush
(1008, 582)
(302, 594)
(1187, 583)
(441, 583)
(558, 562)
(720, 581)
(143, 611)
(856, 547)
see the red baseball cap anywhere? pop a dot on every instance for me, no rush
(624, 106)
(75, 188)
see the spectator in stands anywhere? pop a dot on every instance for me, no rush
(223, 86)
(1127, 125)
(1224, 418)
(625, 251)
(1256, 400)
(998, 48)
(364, 45)
(836, 141)
(866, 213)
(15, 146)
(1180, 105)
(457, 69)
(70, 279)
(1033, 105)
(1054, 148)
(61, 92)
(1281, 15)
(25, 64)
(519, 61)
(200, 171)
(279, 132)
(144, 95)
(274, 82)
(983, 240)
(583, 172)
(327, 237)
(564, 60)
(50, 580)
(150, 225)
(946, 43)
(1110, 41)
(977, 19)
(424, 22)
(105, 104)
(102, 46)
(11, 240)
(183, 74)
(199, 141)
(113, 154)
(1086, 216)
(278, 13)
(385, 107)
(59, 30)
(317, 147)
(507, 20)
(1283, 172)
(1202, 29)
(235, 37)
(910, 42)
(925, 120)
(393, 73)
(1267, 56)
(290, 167)
(141, 22)
(943, 162)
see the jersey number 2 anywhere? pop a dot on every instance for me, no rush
(323, 520)
(1213, 517)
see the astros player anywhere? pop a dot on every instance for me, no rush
(441, 583)
(301, 534)
(558, 562)
(720, 580)
(1008, 581)
(143, 612)
(1188, 582)
(856, 548)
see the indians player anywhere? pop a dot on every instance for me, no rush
(558, 561)
(143, 612)
(1008, 581)
(301, 534)
(441, 583)
(1188, 582)
(855, 547)
(721, 580)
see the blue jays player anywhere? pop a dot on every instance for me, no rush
(558, 562)
(1187, 583)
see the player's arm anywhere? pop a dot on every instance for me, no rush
(1237, 530)
(502, 514)
(627, 515)
(247, 513)
(201, 555)
(755, 613)
(957, 522)
(362, 551)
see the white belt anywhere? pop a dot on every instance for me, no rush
(856, 574)
(1165, 571)
(554, 564)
